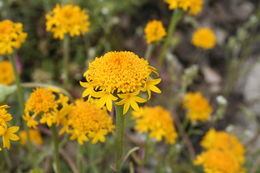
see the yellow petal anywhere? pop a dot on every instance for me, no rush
(126, 108)
(155, 89)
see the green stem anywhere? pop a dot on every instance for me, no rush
(56, 148)
(66, 61)
(7, 159)
(20, 95)
(176, 16)
(148, 149)
(149, 51)
(119, 136)
(18, 83)
(79, 159)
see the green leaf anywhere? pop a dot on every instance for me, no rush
(6, 91)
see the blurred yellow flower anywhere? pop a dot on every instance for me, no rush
(223, 141)
(157, 121)
(219, 161)
(154, 31)
(47, 106)
(119, 75)
(86, 121)
(191, 6)
(67, 19)
(35, 137)
(7, 133)
(197, 107)
(204, 38)
(6, 71)
(11, 36)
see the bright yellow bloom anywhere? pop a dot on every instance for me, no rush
(41, 100)
(47, 106)
(86, 121)
(67, 19)
(35, 137)
(11, 36)
(197, 106)
(7, 74)
(154, 31)
(130, 99)
(192, 6)
(7, 133)
(219, 161)
(119, 75)
(157, 121)
(223, 141)
(204, 38)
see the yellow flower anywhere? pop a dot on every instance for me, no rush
(6, 71)
(4, 115)
(119, 75)
(7, 133)
(35, 137)
(223, 141)
(191, 6)
(219, 161)
(157, 121)
(130, 99)
(11, 36)
(47, 106)
(204, 38)
(197, 106)
(67, 19)
(86, 121)
(41, 100)
(150, 86)
(31, 122)
(154, 31)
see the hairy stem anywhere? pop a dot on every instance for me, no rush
(119, 136)
(176, 16)
(56, 148)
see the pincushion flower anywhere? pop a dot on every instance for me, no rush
(219, 161)
(198, 107)
(119, 77)
(157, 122)
(87, 121)
(67, 19)
(191, 6)
(223, 141)
(154, 31)
(204, 38)
(11, 36)
(7, 132)
(46, 106)
(34, 135)
(6, 71)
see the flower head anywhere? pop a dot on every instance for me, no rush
(67, 19)
(204, 38)
(46, 106)
(197, 106)
(6, 71)
(219, 161)
(119, 75)
(7, 133)
(224, 141)
(154, 31)
(11, 36)
(34, 135)
(157, 121)
(86, 121)
(192, 6)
